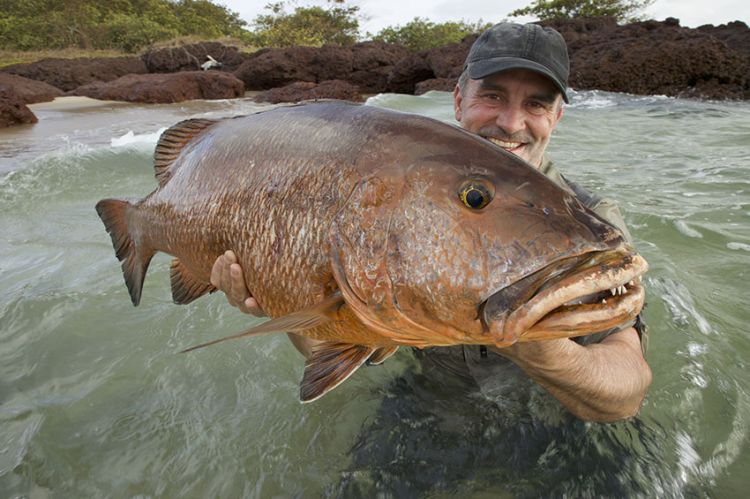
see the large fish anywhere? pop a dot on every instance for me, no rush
(370, 229)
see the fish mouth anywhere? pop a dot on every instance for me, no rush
(575, 296)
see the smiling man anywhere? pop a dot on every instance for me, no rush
(511, 92)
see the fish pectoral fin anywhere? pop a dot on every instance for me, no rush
(186, 287)
(171, 143)
(319, 314)
(330, 365)
(381, 355)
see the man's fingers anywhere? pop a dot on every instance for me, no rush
(251, 307)
(227, 276)
(237, 283)
(216, 272)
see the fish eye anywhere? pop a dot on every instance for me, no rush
(475, 195)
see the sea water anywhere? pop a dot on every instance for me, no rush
(95, 401)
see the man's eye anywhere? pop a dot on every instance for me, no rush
(536, 107)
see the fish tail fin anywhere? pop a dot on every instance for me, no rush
(134, 257)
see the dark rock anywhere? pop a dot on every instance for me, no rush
(408, 72)
(13, 110)
(305, 90)
(735, 34)
(371, 81)
(30, 91)
(67, 74)
(439, 84)
(368, 56)
(165, 88)
(277, 67)
(332, 62)
(372, 64)
(191, 57)
(448, 61)
(654, 57)
(442, 63)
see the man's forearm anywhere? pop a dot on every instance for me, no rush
(605, 381)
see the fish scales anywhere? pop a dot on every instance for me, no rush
(369, 229)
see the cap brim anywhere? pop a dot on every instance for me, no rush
(487, 67)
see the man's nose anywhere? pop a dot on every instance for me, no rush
(510, 119)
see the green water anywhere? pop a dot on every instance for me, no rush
(95, 402)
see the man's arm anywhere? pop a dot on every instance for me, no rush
(604, 381)
(227, 276)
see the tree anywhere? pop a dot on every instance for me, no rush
(309, 26)
(622, 10)
(110, 24)
(421, 34)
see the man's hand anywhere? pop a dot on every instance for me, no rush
(227, 276)
(604, 381)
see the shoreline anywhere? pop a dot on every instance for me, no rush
(640, 58)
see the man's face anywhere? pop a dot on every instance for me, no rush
(516, 109)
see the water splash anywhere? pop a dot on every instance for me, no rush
(131, 139)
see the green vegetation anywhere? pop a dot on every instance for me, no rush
(622, 10)
(309, 26)
(421, 34)
(93, 26)
(125, 25)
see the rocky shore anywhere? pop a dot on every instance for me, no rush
(650, 57)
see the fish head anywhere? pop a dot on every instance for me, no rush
(474, 246)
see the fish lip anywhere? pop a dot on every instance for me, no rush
(541, 312)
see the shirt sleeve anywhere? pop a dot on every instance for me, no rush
(609, 211)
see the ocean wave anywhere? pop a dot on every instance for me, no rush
(738, 246)
(131, 139)
(70, 173)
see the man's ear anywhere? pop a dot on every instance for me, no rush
(558, 114)
(457, 103)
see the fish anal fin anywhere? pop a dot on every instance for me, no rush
(186, 287)
(134, 256)
(317, 315)
(330, 365)
(171, 143)
(381, 355)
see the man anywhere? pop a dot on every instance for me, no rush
(511, 93)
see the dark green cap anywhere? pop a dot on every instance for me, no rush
(520, 46)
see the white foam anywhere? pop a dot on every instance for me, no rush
(696, 349)
(131, 138)
(738, 246)
(686, 230)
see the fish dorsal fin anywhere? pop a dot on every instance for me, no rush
(172, 141)
(330, 365)
(314, 316)
(186, 287)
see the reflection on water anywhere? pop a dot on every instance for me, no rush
(95, 401)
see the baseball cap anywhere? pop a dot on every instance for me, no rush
(507, 46)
